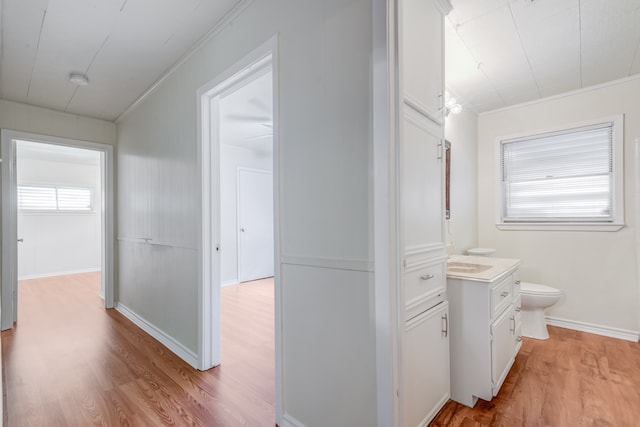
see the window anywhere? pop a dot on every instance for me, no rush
(564, 177)
(54, 199)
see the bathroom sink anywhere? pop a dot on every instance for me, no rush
(466, 267)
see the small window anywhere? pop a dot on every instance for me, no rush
(54, 199)
(563, 177)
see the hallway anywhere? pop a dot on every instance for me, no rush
(70, 362)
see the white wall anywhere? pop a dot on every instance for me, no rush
(595, 270)
(462, 229)
(27, 118)
(232, 157)
(59, 243)
(328, 336)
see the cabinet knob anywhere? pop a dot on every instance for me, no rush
(517, 282)
(504, 294)
(426, 277)
(518, 309)
(519, 339)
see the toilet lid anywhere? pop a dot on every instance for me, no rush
(537, 289)
(481, 251)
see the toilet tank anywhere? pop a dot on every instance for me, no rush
(481, 251)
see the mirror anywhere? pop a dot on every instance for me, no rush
(447, 179)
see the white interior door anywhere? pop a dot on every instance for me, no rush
(255, 224)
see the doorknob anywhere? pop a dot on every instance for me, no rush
(20, 240)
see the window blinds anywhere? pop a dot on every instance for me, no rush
(561, 177)
(42, 198)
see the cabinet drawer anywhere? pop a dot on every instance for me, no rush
(518, 338)
(501, 296)
(516, 283)
(424, 288)
(517, 304)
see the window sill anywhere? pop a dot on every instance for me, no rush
(559, 227)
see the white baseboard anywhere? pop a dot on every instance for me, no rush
(176, 347)
(607, 331)
(58, 273)
(229, 283)
(289, 421)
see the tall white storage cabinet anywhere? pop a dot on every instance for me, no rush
(424, 384)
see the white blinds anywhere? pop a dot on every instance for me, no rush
(74, 199)
(37, 198)
(560, 177)
(43, 198)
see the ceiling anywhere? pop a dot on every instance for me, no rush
(505, 52)
(123, 46)
(246, 115)
(498, 52)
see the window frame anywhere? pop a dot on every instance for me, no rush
(57, 210)
(617, 222)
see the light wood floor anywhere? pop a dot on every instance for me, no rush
(574, 379)
(70, 362)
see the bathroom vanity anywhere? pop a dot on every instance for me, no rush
(484, 324)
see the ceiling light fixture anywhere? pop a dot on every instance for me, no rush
(79, 79)
(450, 104)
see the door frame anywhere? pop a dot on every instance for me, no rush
(208, 155)
(238, 211)
(10, 217)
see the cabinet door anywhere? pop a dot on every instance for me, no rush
(422, 187)
(502, 348)
(422, 64)
(425, 366)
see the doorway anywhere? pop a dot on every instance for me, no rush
(51, 209)
(255, 224)
(238, 154)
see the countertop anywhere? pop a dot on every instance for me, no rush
(488, 270)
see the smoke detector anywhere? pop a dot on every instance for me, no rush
(79, 79)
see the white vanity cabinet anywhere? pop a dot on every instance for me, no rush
(422, 55)
(423, 312)
(484, 332)
(425, 365)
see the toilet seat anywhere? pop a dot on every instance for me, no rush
(538, 289)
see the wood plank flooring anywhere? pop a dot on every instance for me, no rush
(70, 362)
(574, 379)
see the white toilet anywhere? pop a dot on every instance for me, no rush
(535, 299)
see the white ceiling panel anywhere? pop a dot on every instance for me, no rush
(21, 22)
(45, 91)
(464, 10)
(610, 39)
(497, 51)
(487, 103)
(246, 116)
(493, 27)
(519, 92)
(124, 47)
(504, 63)
(528, 49)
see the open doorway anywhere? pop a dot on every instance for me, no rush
(56, 214)
(245, 120)
(59, 211)
(239, 246)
